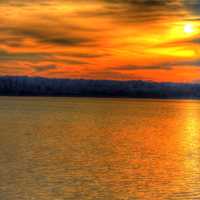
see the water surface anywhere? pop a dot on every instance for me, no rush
(99, 149)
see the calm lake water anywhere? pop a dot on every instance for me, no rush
(99, 149)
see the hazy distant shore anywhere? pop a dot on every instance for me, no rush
(37, 86)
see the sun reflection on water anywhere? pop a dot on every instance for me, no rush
(191, 129)
(191, 147)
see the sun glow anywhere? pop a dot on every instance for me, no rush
(188, 28)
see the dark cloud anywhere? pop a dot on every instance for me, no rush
(195, 63)
(66, 41)
(162, 66)
(143, 10)
(112, 75)
(44, 68)
(72, 62)
(11, 41)
(134, 67)
(193, 6)
(85, 55)
(130, 10)
(146, 4)
(18, 35)
(21, 56)
(51, 37)
(149, 10)
(52, 30)
(195, 40)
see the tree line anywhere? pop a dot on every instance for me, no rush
(37, 86)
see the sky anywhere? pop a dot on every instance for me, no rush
(151, 40)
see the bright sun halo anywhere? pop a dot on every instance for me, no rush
(188, 28)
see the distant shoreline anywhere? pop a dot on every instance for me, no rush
(100, 97)
(51, 87)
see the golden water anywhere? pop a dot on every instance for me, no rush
(99, 149)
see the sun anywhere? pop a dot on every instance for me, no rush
(188, 28)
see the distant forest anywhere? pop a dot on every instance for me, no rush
(36, 86)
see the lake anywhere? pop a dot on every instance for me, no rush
(99, 149)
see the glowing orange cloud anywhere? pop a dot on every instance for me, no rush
(100, 39)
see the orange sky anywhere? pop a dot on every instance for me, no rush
(155, 40)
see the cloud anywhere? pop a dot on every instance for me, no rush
(194, 63)
(44, 68)
(161, 66)
(65, 41)
(86, 37)
(193, 6)
(22, 56)
(181, 42)
(43, 26)
(194, 40)
(86, 55)
(23, 3)
(143, 10)
(51, 36)
(193, 19)
(134, 67)
(111, 75)
(71, 61)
